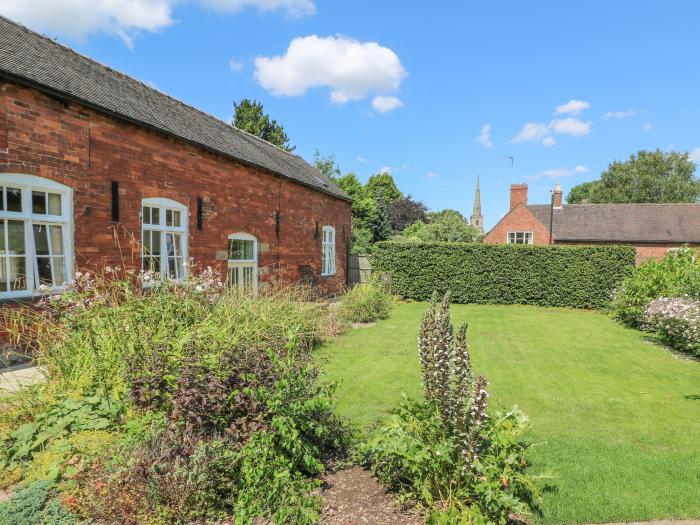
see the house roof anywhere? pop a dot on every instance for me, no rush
(677, 223)
(32, 59)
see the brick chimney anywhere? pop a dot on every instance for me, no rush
(557, 197)
(518, 194)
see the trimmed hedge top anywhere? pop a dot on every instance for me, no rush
(569, 276)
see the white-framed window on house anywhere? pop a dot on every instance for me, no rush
(164, 237)
(328, 251)
(243, 261)
(519, 237)
(36, 235)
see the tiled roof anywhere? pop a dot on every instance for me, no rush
(31, 58)
(675, 223)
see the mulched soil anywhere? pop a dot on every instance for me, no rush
(353, 497)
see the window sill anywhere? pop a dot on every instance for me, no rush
(328, 274)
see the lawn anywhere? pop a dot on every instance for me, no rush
(616, 417)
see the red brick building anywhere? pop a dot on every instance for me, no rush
(653, 229)
(98, 169)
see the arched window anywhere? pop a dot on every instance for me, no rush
(243, 261)
(36, 235)
(164, 237)
(328, 251)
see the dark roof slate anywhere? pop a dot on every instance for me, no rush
(30, 57)
(622, 223)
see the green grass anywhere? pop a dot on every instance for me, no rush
(616, 418)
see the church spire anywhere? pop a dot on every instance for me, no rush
(477, 219)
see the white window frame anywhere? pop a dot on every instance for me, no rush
(524, 233)
(28, 184)
(328, 251)
(239, 264)
(163, 206)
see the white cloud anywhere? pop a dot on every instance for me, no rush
(385, 104)
(351, 69)
(695, 155)
(619, 114)
(647, 126)
(571, 126)
(294, 8)
(235, 65)
(549, 141)
(581, 169)
(125, 18)
(385, 169)
(484, 137)
(532, 131)
(431, 175)
(361, 159)
(558, 173)
(79, 18)
(573, 107)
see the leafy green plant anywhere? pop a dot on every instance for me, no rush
(34, 505)
(569, 276)
(447, 453)
(676, 275)
(366, 302)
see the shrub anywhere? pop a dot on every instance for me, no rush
(366, 303)
(676, 275)
(34, 505)
(677, 321)
(447, 453)
(569, 276)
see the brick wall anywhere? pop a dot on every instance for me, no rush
(87, 150)
(519, 219)
(645, 250)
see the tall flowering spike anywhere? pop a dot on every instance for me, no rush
(443, 373)
(463, 379)
(477, 416)
(426, 350)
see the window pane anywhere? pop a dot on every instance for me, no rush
(176, 219)
(155, 242)
(39, 202)
(41, 239)
(240, 250)
(170, 244)
(15, 237)
(56, 239)
(18, 273)
(168, 217)
(155, 216)
(146, 215)
(14, 199)
(172, 271)
(59, 268)
(2, 245)
(2, 206)
(146, 241)
(43, 267)
(54, 204)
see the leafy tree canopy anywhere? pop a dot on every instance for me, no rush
(249, 116)
(581, 192)
(648, 176)
(327, 165)
(381, 227)
(405, 211)
(442, 226)
(383, 184)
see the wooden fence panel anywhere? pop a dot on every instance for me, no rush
(359, 269)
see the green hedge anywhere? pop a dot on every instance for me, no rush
(571, 276)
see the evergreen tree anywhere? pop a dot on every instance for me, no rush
(249, 116)
(381, 226)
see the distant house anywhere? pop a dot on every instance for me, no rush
(87, 152)
(653, 229)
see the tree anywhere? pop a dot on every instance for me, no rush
(364, 207)
(442, 226)
(581, 192)
(327, 165)
(381, 227)
(648, 176)
(405, 211)
(249, 116)
(383, 184)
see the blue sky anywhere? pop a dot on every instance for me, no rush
(438, 92)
